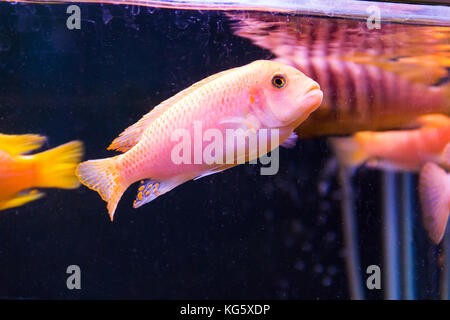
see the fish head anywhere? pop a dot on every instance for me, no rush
(290, 96)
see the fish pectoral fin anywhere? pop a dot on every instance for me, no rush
(290, 141)
(150, 189)
(21, 199)
(434, 198)
(20, 144)
(247, 123)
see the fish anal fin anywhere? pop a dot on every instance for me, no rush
(21, 199)
(151, 189)
(20, 144)
(434, 199)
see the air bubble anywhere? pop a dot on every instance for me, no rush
(180, 21)
(300, 265)
(135, 10)
(318, 268)
(326, 281)
(307, 247)
(330, 237)
(332, 270)
(5, 44)
(107, 16)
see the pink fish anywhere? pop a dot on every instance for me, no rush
(263, 95)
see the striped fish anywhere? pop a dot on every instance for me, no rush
(372, 79)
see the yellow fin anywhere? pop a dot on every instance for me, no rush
(56, 167)
(19, 144)
(434, 120)
(434, 198)
(21, 199)
(131, 136)
(103, 176)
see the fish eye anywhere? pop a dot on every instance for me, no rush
(278, 81)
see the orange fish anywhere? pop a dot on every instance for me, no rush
(261, 95)
(20, 173)
(424, 148)
(403, 150)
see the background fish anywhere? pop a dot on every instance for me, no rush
(377, 79)
(423, 149)
(405, 150)
(20, 174)
(260, 95)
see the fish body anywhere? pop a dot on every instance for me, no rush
(21, 174)
(260, 95)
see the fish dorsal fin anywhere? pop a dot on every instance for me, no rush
(433, 121)
(20, 144)
(131, 136)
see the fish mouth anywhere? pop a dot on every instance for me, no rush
(312, 99)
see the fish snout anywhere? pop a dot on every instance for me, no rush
(311, 99)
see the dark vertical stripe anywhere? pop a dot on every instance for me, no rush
(332, 89)
(369, 91)
(350, 87)
(382, 92)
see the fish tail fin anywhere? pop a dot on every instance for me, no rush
(434, 190)
(56, 167)
(19, 144)
(103, 176)
(348, 151)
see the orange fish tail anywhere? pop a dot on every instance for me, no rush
(434, 198)
(56, 167)
(103, 176)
